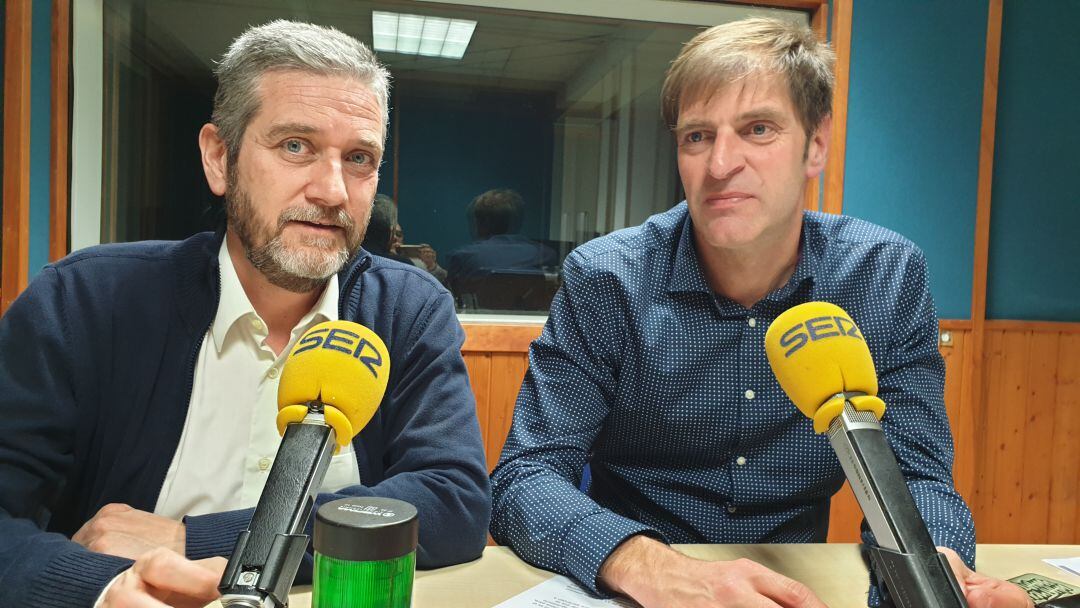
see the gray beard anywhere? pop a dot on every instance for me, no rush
(298, 272)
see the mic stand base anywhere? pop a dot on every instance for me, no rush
(909, 578)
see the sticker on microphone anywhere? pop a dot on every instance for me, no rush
(1041, 588)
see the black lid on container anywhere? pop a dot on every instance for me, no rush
(366, 529)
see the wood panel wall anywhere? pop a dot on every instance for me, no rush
(16, 115)
(1017, 453)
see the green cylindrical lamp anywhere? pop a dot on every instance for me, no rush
(365, 553)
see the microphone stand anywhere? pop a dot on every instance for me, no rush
(267, 555)
(914, 572)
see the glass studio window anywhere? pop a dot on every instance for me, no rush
(514, 135)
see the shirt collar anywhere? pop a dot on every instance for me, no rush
(687, 274)
(234, 305)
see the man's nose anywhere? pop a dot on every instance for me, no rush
(726, 158)
(327, 183)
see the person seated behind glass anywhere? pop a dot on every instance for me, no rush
(138, 381)
(385, 238)
(382, 228)
(495, 221)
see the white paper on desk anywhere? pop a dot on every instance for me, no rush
(560, 592)
(1068, 564)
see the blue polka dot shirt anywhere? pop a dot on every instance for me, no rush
(663, 388)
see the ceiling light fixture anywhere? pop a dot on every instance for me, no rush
(420, 35)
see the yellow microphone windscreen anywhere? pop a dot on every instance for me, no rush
(816, 351)
(342, 364)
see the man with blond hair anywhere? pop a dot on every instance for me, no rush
(651, 368)
(138, 381)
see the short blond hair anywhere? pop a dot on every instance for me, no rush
(726, 53)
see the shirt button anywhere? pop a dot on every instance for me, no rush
(264, 463)
(730, 508)
(273, 373)
(257, 324)
(749, 394)
(752, 322)
(741, 460)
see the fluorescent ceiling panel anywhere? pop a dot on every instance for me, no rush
(420, 35)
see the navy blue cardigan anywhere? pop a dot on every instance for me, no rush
(96, 366)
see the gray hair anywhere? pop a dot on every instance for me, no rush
(287, 45)
(726, 53)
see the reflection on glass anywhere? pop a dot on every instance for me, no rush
(501, 269)
(552, 119)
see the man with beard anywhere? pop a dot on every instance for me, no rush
(138, 381)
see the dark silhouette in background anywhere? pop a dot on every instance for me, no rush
(502, 269)
(384, 238)
(380, 230)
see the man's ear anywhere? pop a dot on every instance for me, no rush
(817, 148)
(214, 158)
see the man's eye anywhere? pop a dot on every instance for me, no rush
(360, 158)
(695, 137)
(759, 129)
(293, 146)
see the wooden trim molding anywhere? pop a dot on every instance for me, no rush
(834, 168)
(1056, 327)
(973, 378)
(498, 338)
(506, 338)
(819, 23)
(806, 5)
(60, 130)
(16, 208)
(954, 324)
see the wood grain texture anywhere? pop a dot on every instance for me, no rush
(507, 371)
(834, 169)
(16, 207)
(845, 517)
(1033, 326)
(1064, 508)
(1028, 437)
(60, 130)
(479, 366)
(960, 422)
(1005, 410)
(496, 338)
(974, 376)
(1039, 395)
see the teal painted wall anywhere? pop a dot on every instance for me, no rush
(436, 180)
(914, 112)
(1034, 268)
(40, 109)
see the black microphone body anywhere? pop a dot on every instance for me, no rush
(915, 574)
(264, 562)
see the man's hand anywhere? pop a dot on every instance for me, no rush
(162, 578)
(656, 575)
(982, 591)
(126, 532)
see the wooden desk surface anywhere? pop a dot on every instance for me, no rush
(834, 571)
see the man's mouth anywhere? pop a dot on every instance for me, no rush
(727, 199)
(318, 228)
(322, 225)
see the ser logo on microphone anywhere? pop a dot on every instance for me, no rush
(344, 341)
(816, 329)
